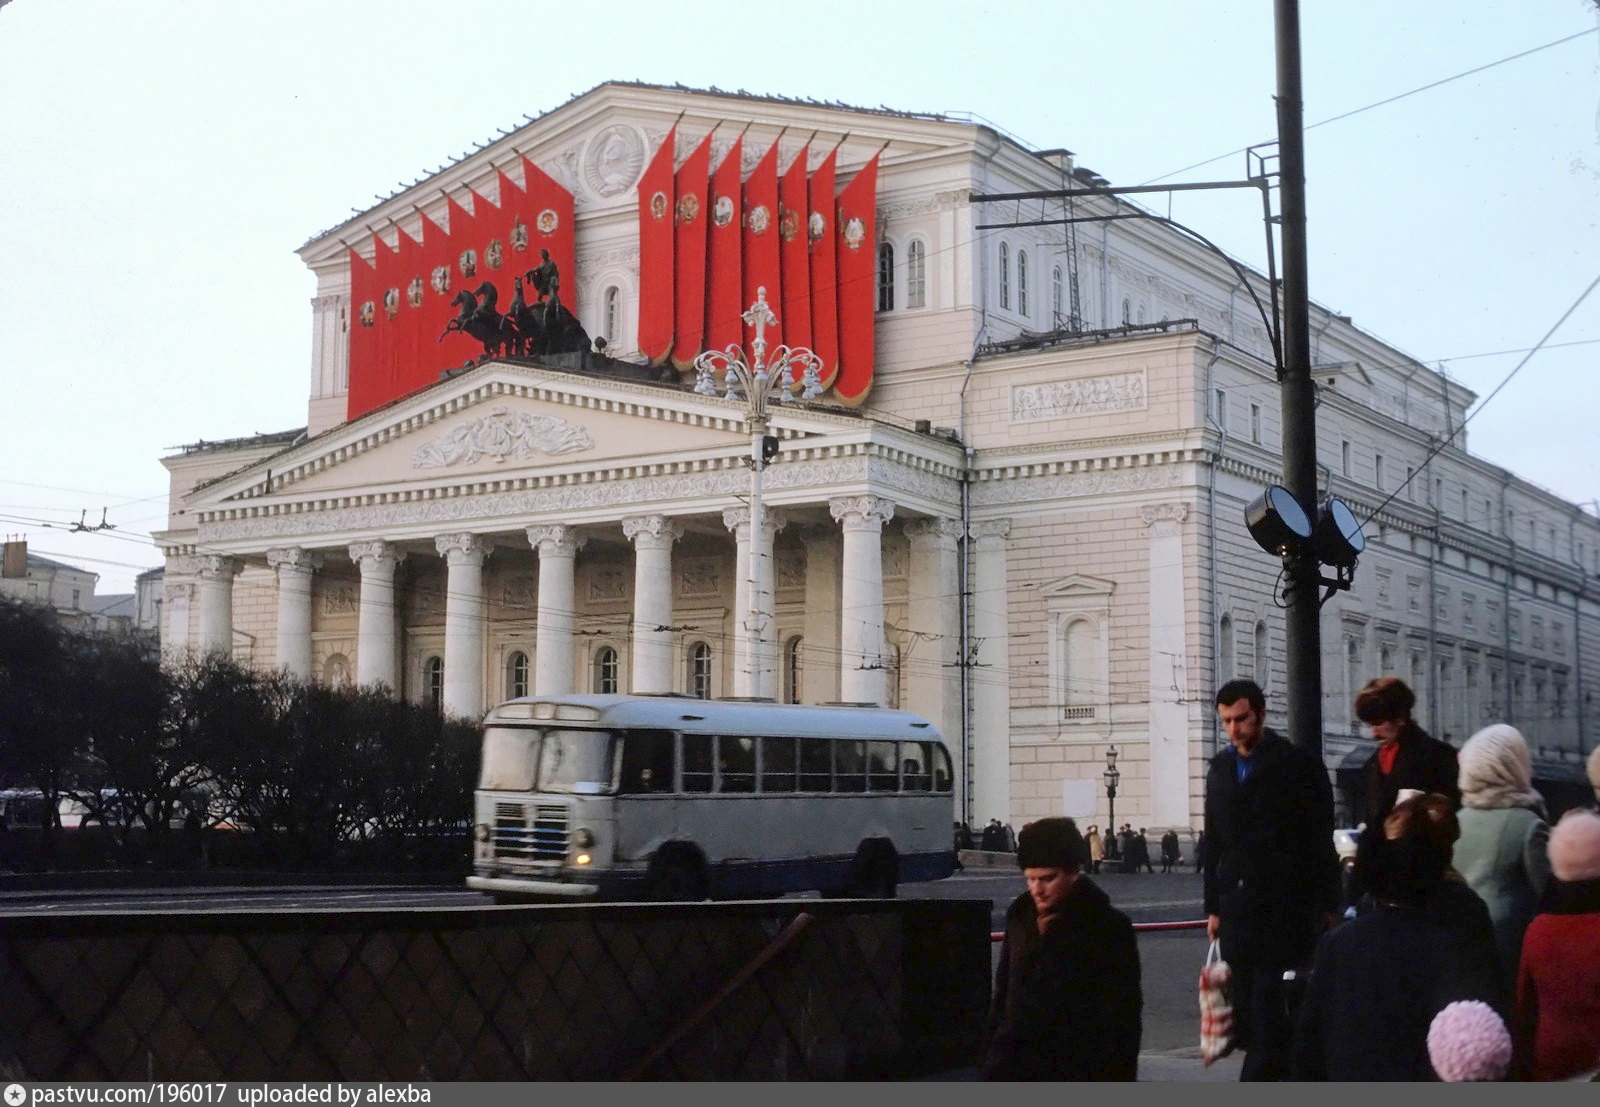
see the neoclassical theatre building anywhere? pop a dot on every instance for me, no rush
(1012, 501)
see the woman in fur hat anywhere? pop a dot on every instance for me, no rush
(1558, 984)
(1067, 1001)
(1501, 853)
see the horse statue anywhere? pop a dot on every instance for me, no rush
(524, 318)
(480, 319)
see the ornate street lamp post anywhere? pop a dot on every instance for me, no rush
(758, 382)
(1111, 777)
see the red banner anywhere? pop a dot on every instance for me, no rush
(411, 370)
(762, 265)
(725, 286)
(548, 216)
(689, 254)
(793, 308)
(857, 267)
(656, 275)
(823, 241)
(366, 304)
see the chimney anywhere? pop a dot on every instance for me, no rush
(16, 559)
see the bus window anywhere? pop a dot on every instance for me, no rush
(577, 762)
(778, 764)
(914, 763)
(850, 766)
(509, 755)
(697, 762)
(816, 765)
(941, 769)
(646, 762)
(736, 758)
(883, 773)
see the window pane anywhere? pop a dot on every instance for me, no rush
(578, 762)
(916, 763)
(647, 762)
(778, 764)
(850, 766)
(816, 765)
(942, 776)
(737, 762)
(883, 771)
(697, 762)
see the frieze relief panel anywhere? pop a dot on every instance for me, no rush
(520, 591)
(339, 597)
(608, 582)
(698, 578)
(500, 435)
(1032, 490)
(1087, 396)
(790, 566)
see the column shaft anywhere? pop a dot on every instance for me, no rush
(861, 665)
(653, 537)
(377, 646)
(294, 567)
(214, 588)
(552, 660)
(464, 619)
(991, 674)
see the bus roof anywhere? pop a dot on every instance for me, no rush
(753, 717)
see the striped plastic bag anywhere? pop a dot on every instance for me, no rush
(1216, 1011)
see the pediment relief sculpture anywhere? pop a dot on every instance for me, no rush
(500, 435)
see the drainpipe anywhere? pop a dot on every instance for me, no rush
(1505, 623)
(1211, 541)
(1433, 595)
(1579, 594)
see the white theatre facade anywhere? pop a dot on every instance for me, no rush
(1030, 532)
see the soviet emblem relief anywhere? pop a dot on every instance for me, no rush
(368, 314)
(469, 263)
(855, 232)
(414, 292)
(495, 254)
(441, 279)
(391, 302)
(615, 160)
(519, 236)
(759, 220)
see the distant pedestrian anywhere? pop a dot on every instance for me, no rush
(1170, 851)
(1200, 851)
(1097, 849)
(1406, 757)
(1142, 844)
(1067, 999)
(993, 839)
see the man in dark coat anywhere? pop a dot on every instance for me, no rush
(1406, 757)
(1271, 874)
(1067, 1001)
(1170, 851)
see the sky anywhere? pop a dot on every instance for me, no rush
(160, 162)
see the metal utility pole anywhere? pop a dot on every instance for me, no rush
(1304, 652)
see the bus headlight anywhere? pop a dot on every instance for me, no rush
(481, 832)
(581, 859)
(582, 838)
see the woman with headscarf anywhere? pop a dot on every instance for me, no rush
(1504, 836)
(1558, 986)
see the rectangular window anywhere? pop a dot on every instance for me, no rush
(916, 766)
(697, 763)
(1255, 423)
(883, 770)
(1344, 458)
(1410, 477)
(850, 766)
(816, 765)
(647, 762)
(736, 763)
(1438, 492)
(778, 764)
(1221, 410)
(1377, 472)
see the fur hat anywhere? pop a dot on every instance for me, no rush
(1575, 847)
(1468, 1041)
(1050, 844)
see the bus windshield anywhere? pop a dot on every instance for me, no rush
(509, 755)
(575, 761)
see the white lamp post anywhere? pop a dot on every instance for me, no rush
(757, 382)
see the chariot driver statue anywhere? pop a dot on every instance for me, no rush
(546, 280)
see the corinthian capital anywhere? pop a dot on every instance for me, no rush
(862, 512)
(462, 549)
(555, 540)
(651, 531)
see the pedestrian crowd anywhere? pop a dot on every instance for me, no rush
(1466, 946)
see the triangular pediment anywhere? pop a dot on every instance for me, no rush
(502, 421)
(1076, 586)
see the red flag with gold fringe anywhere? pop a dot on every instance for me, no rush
(762, 265)
(794, 253)
(365, 390)
(692, 182)
(724, 283)
(824, 274)
(857, 267)
(656, 277)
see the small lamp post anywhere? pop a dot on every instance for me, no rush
(1111, 776)
(757, 382)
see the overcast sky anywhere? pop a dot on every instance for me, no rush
(161, 161)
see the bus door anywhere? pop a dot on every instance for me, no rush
(647, 800)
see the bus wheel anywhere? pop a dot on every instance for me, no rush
(877, 870)
(677, 874)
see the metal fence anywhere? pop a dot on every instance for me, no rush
(772, 990)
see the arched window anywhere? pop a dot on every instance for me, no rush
(916, 274)
(1225, 669)
(607, 671)
(885, 276)
(1262, 660)
(433, 678)
(336, 671)
(516, 675)
(1005, 276)
(1055, 295)
(1141, 314)
(1127, 312)
(699, 682)
(1022, 282)
(611, 316)
(1083, 672)
(791, 670)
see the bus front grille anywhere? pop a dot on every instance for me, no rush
(539, 833)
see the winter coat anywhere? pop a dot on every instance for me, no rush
(1422, 762)
(1270, 867)
(1170, 847)
(1067, 1003)
(1375, 986)
(1502, 855)
(1558, 986)
(1097, 851)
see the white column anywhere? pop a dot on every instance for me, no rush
(294, 566)
(653, 536)
(175, 639)
(991, 674)
(933, 615)
(214, 592)
(755, 650)
(861, 677)
(822, 615)
(377, 652)
(1168, 666)
(558, 547)
(464, 617)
